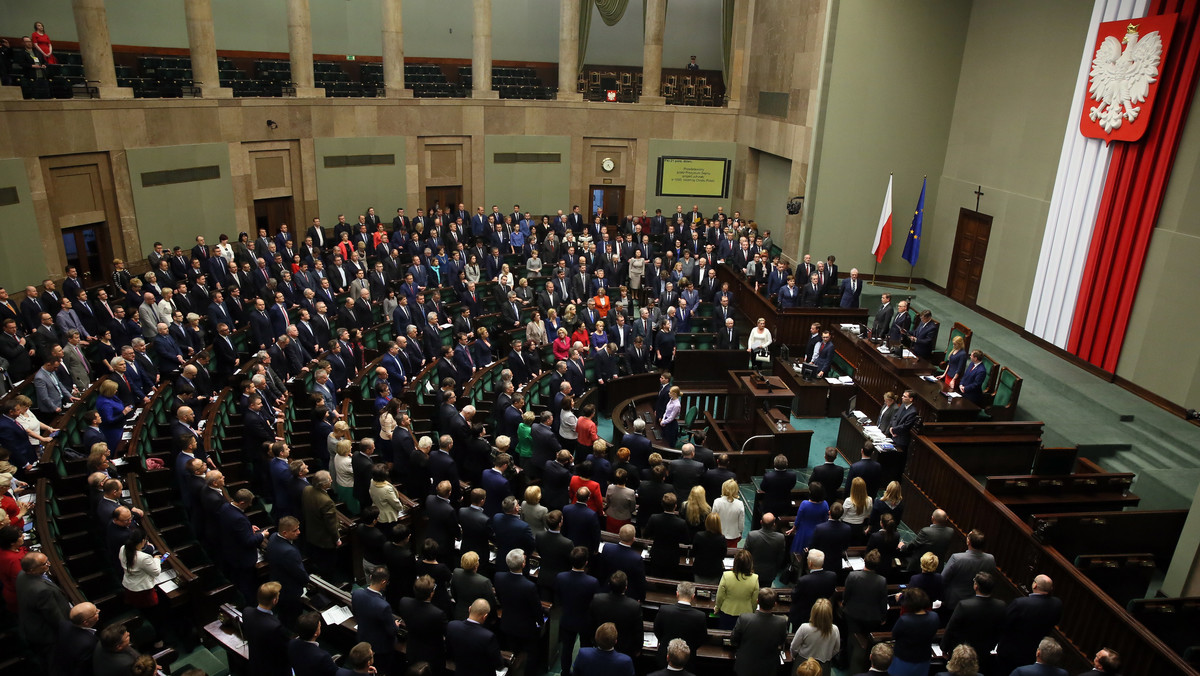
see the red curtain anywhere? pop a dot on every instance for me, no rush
(1133, 193)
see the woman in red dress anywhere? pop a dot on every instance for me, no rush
(12, 550)
(41, 42)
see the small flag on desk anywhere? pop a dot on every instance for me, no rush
(883, 234)
(912, 245)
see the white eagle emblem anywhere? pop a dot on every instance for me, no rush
(1122, 78)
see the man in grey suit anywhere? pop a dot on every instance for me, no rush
(960, 570)
(768, 548)
(77, 364)
(685, 471)
(51, 393)
(758, 637)
(148, 316)
(935, 538)
(41, 604)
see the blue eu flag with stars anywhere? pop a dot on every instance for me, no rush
(912, 245)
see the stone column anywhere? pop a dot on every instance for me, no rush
(300, 48)
(568, 51)
(91, 23)
(204, 49)
(393, 50)
(656, 20)
(481, 53)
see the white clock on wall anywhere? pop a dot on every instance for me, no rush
(607, 164)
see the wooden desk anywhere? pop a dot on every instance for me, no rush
(790, 326)
(817, 398)
(746, 396)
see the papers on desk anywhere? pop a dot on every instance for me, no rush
(936, 604)
(907, 354)
(952, 395)
(930, 379)
(649, 640)
(728, 561)
(884, 349)
(27, 499)
(126, 434)
(125, 493)
(336, 614)
(502, 672)
(832, 381)
(200, 425)
(444, 326)
(261, 556)
(118, 461)
(137, 412)
(850, 327)
(167, 586)
(937, 650)
(166, 576)
(856, 563)
(846, 380)
(861, 417)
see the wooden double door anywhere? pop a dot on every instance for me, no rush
(970, 250)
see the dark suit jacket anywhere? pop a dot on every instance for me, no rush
(832, 537)
(725, 341)
(522, 618)
(573, 592)
(685, 473)
(870, 471)
(310, 659)
(581, 526)
(596, 662)
(758, 638)
(239, 542)
(72, 654)
(556, 483)
(683, 621)
(883, 320)
(376, 624)
(817, 584)
(628, 560)
(934, 539)
(442, 526)
(975, 621)
(622, 611)
(668, 531)
(267, 639)
(830, 476)
(902, 426)
(864, 598)
(286, 566)
(510, 533)
(1026, 621)
(426, 625)
(475, 648)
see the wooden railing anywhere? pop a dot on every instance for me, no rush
(1091, 619)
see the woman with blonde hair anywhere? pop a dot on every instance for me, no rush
(892, 503)
(562, 345)
(956, 361)
(818, 638)
(533, 512)
(928, 579)
(38, 431)
(696, 509)
(737, 593)
(964, 661)
(343, 474)
(856, 510)
(385, 498)
(733, 512)
(809, 667)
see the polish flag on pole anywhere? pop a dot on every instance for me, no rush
(883, 235)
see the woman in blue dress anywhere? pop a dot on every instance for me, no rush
(956, 362)
(812, 511)
(112, 413)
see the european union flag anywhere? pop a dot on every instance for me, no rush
(912, 245)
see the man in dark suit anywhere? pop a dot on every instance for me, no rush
(522, 620)
(818, 583)
(613, 606)
(580, 523)
(556, 479)
(573, 593)
(758, 637)
(715, 477)
(266, 637)
(554, 551)
(442, 526)
(925, 336)
(1049, 656)
(811, 292)
(976, 621)
(728, 337)
(829, 474)
(868, 469)
(766, 544)
(883, 316)
(638, 444)
(475, 648)
(833, 537)
(287, 568)
(603, 659)
(475, 524)
(376, 624)
(306, 656)
(905, 419)
(668, 530)
(623, 557)
(72, 654)
(664, 394)
(935, 538)
(680, 620)
(822, 354)
(510, 532)
(851, 290)
(426, 624)
(1026, 621)
(686, 471)
(901, 322)
(239, 542)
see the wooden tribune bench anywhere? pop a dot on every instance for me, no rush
(1075, 534)
(1124, 577)
(1027, 494)
(1173, 620)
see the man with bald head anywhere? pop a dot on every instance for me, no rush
(766, 545)
(41, 605)
(1027, 621)
(76, 641)
(935, 537)
(474, 646)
